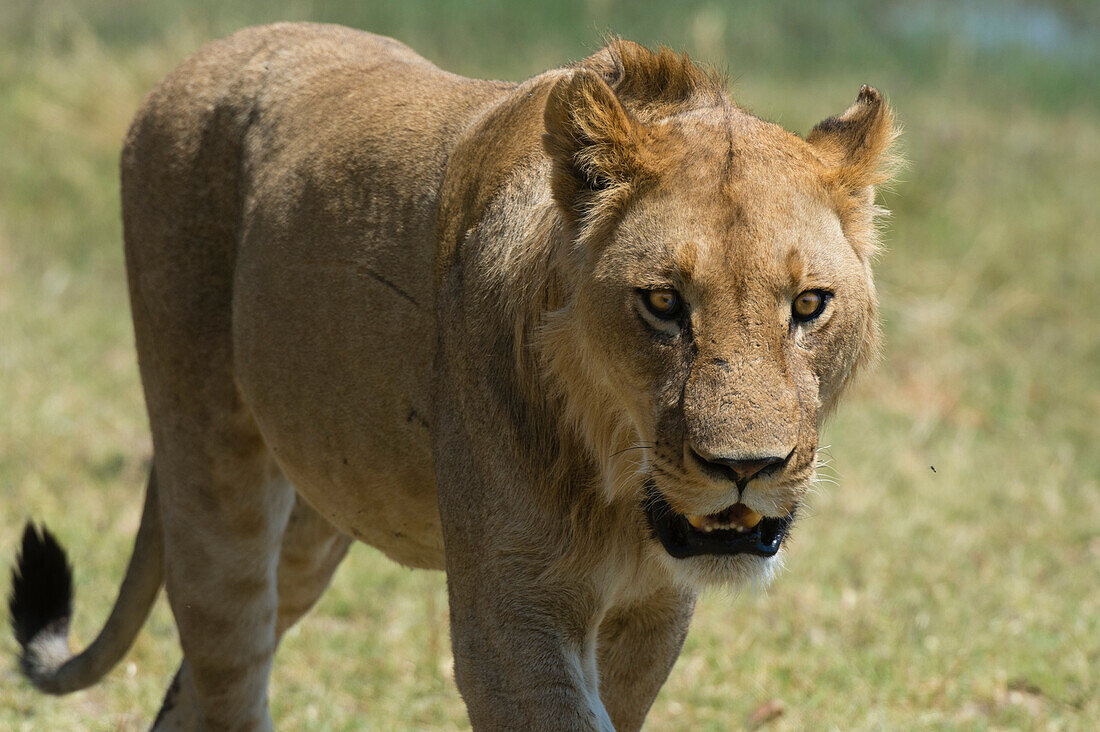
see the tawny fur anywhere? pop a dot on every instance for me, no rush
(373, 299)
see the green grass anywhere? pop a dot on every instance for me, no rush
(964, 597)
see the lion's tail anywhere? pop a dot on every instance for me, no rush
(42, 600)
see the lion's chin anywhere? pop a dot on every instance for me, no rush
(732, 572)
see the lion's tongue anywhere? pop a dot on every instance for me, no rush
(737, 517)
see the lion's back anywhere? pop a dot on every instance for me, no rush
(288, 111)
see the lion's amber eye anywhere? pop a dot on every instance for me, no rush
(665, 304)
(809, 304)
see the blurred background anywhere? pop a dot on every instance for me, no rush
(948, 573)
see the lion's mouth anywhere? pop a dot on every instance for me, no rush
(736, 529)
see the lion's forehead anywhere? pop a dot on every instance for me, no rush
(737, 152)
(710, 240)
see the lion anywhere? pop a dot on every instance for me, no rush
(570, 341)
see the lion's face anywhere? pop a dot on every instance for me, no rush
(727, 316)
(724, 310)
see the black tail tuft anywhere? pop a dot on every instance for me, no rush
(41, 587)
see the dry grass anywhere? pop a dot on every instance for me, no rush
(964, 596)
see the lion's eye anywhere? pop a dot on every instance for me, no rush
(665, 304)
(809, 305)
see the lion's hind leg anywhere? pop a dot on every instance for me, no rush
(222, 548)
(223, 505)
(312, 549)
(179, 712)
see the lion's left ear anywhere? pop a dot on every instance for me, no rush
(856, 146)
(596, 146)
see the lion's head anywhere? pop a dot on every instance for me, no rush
(721, 296)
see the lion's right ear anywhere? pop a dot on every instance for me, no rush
(595, 145)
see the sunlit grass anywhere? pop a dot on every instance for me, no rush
(949, 579)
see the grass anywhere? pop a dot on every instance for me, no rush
(948, 580)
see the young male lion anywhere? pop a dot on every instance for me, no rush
(569, 340)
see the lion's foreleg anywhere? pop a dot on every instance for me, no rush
(524, 642)
(522, 660)
(638, 646)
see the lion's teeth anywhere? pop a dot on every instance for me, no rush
(738, 518)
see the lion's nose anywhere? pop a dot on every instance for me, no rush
(742, 470)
